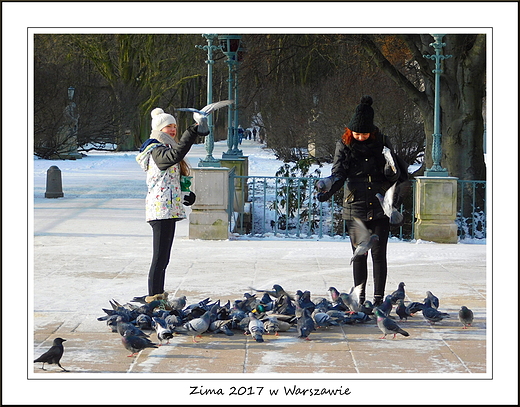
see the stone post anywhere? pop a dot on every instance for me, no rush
(436, 209)
(53, 188)
(209, 219)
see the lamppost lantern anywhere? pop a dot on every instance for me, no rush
(70, 92)
(230, 44)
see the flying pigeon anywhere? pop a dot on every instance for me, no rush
(434, 301)
(387, 203)
(398, 294)
(465, 316)
(389, 159)
(388, 326)
(305, 324)
(201, 116)
(53, 355)
(135, 344)
(363, 239)
(163, 333)
(431, 314)
(256, 327)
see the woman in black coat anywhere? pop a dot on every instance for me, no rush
(362, 169)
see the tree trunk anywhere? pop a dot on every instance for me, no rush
(462, 91)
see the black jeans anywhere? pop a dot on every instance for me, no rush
(163, 233)
(380, 227)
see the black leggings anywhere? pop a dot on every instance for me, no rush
(380, 227)
(163, 233)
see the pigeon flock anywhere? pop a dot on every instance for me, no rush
(263, 312)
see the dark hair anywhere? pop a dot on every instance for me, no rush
(348, 137)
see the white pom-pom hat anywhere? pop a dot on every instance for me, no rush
(161, 119)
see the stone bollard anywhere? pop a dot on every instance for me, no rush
(54, 189)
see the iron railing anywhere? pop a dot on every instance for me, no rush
(287, 207)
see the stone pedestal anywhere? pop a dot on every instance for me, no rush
(436, 209)
(209, 219)
(241, 166)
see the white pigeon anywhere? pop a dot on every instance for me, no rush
(389, 159)
(163, 333)
(199, 115)
(256, 328)
(387, 203)
(363, 239)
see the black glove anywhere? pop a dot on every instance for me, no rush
(189, 199)
(323, 196)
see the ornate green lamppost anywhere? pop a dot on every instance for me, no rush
(230, 44)
(437, 170)
(209, 142)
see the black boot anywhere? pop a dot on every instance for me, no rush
(378, 300)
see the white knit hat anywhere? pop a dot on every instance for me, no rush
(161, 119)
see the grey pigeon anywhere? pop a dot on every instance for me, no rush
(414, 307)
(387, 203)
(305, 324)
(388, 326)
(136, 344)
(334, 293)
(434, 301)
(53, 355)
(221, 326)
(431, 314)
(401, 310)
(322, 320)
(256, 328)
(127, 326)
(362, 239)
(196, 327)
(143, 321)
(398, 294)
(465, 316)
(386, 306)
(353, 300)
(177, 303)
(276, 292)
(163, 333)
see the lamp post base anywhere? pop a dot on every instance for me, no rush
(209, 162)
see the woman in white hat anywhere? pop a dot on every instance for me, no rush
(162, 157)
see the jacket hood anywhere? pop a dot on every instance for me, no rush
(143, 158)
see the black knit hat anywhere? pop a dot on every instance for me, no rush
(363, 119)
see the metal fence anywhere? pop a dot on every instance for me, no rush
(262, 206)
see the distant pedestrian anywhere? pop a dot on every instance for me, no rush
(240, 131)
(362, 169)
(162, 157)
(254, 133)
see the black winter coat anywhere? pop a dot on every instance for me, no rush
(362, 166)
